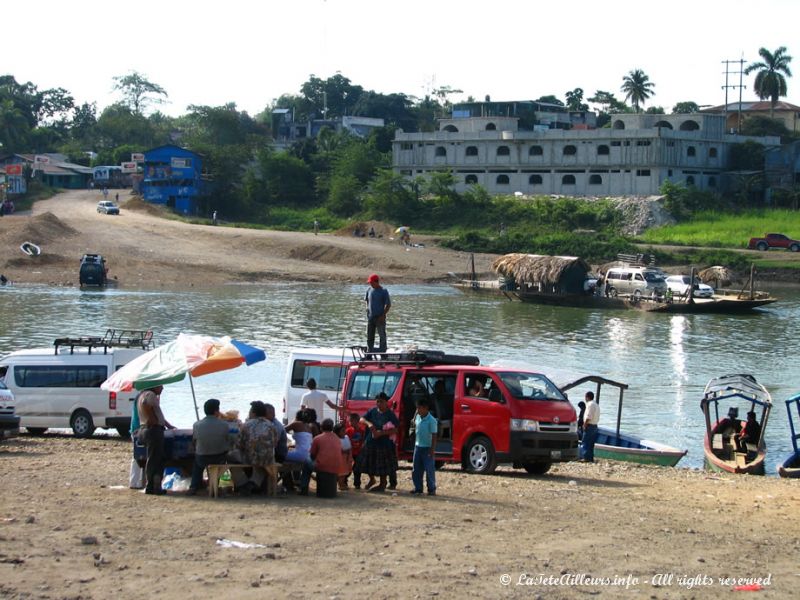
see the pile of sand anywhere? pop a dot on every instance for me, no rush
(361, 229)
(41, 230)
(331, 255)
(138, 204)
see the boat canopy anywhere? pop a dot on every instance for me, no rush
(740, 385)
(794, 401)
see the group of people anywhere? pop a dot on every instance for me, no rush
(361, 445)
(6, 207)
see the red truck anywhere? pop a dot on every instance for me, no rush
(774, 240)
(518, 416)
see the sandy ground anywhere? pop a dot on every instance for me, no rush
(145, 250)
(70, 528)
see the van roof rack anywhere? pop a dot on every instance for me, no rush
(114, 338)
(412, 357)
(642, 260)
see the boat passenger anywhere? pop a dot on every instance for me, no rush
(750, 433)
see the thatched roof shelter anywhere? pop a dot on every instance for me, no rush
(565, 272)
(720, 276)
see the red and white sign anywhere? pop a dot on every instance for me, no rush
(41, 160)
(137, 157)
(128, 167)
(14, 169)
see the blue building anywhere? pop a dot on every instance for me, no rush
(172, 176)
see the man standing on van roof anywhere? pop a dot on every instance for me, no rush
(378, 304)
(148, 403)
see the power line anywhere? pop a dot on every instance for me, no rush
(727, 86)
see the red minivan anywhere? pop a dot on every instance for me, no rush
(487, 415)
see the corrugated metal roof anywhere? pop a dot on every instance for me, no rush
(754, 106)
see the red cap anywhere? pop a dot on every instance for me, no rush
(372, 278)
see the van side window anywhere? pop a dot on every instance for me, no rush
(328, 377)
(639, 277)
(60, 376)
(368, 384)
(479, 385)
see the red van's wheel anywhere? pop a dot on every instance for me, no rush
(479, 456)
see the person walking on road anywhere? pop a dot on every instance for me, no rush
(378, 305)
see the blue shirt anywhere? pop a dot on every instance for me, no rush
(427, 427)
(377, 301)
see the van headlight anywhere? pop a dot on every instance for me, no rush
(524, 425)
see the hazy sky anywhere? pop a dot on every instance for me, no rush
(250, 53)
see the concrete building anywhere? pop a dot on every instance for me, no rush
(54, 171)
(286, 131)
(631, 158)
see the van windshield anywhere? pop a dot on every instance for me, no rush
(365, 385)
(531, 386)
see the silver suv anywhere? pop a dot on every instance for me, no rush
(638, 282)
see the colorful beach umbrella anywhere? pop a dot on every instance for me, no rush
(194, 355)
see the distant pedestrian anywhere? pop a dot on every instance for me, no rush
(214, 218)
(378, 305)
(105, 193)
(590, 421)
(116, 197)
(316, 227)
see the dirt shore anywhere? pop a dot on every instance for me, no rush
(143, 249)
(71, 528)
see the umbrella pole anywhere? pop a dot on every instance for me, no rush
(194, 398)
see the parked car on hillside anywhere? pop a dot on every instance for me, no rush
(774, 240)
(107, 207)
(679, 284)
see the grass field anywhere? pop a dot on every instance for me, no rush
(726, 230)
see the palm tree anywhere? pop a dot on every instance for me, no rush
(637, 87)
(770, 82)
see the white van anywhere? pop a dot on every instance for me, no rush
(328, 366)
(61, 387)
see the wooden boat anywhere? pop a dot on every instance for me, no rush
(613, 444)
(791, 466)
(30, 248)
(722, 452)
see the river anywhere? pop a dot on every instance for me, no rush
(666, 359)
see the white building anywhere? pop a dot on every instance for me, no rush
(631, 158)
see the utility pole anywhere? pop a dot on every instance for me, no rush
(727, 86)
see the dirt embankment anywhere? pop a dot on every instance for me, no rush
(142, 249)
(71, 528)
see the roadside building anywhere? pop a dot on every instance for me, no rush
(173, 176)
(52, 169)
(287, 131)
(632, 157)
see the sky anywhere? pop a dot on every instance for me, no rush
(250, 53)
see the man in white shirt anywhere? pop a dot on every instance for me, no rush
(315, 399)
(590, 420)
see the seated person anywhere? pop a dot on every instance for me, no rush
(212, 441)
(257, 441)
(326, 455)
(476, 388)
(443, 406)
(750, 433)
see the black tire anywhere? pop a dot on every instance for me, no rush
(479, 456)
(82, 423)
(794, 248)
(538, 468)
(612, 292)
(763, 246)
(439, 464)
(36, 430)
(637, 295)
(124, 433)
